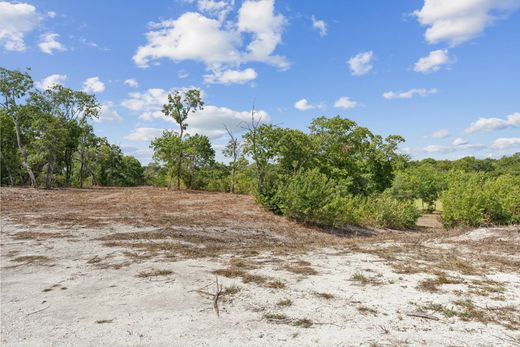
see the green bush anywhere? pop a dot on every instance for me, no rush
(473, 199)
(305, 195)
(387, 212)
(507, 190)
(311, 197)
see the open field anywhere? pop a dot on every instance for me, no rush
(139, 266)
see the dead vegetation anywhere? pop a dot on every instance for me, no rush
(434, 284)
(154, 273)
(32, 260)
(467, 310)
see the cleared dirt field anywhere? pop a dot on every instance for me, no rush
(138, 266)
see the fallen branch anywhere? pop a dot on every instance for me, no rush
(422, 315)
(217, 295)
(40, 310)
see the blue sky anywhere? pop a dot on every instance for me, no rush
(442, 73)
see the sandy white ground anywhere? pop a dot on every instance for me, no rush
(97, 303)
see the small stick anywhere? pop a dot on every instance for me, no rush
(42, 309)
(422, 315)
(217, 294)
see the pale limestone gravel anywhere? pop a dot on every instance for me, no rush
(167, 311)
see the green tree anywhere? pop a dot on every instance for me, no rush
(179, 107)
(15, 85)
(233, 151)
(199, 154)
(166, 149)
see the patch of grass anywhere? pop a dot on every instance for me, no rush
(33, 235)
(104, 321)
(301, 270)
(154, 273)
(362, 279)
(251, 278)
(366, 310)
(241, 263)
(454, 263)
(275, 316)
(303, 323)
(325, 296)
(32, 259)
(275, 284)
(284, 303)
(433, 284)
(231, 290)
(230, 272)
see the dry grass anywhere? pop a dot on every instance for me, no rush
(32, 260)
(325, 296)
(301, 270)
(154, 273)
(433, 284)
(466, 310)
(231, 290)
(247, 277)
(362, 279)
(367, 310)
(213, 223)
(284, 303)
(33, 235)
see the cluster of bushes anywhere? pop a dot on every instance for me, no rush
(311, 197)
(473, 192)
(476, 199)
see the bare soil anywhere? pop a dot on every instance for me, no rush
(138, 266)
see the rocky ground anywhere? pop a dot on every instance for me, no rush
(140, 266)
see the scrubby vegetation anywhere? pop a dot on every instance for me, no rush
(335, 175)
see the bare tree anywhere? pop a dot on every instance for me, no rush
(233, 150)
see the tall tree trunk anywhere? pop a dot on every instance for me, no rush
(81, 161)
(179, 162)
(24, 153)
(50, 169)
(68, 166)
(233, 178)
(11, 180)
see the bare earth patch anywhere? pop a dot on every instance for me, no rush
(137, 266)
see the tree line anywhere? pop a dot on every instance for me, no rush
(47, 141)
(334, 175)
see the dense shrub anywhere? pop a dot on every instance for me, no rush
(311, 197)
(474, 199)
(507, 190)
(387, 212)
(305, 195)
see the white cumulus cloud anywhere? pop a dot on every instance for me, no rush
(210, 121)
(319, 25)
(217, 44)
(506, 142)
(144, 134)
(51, 80)
(409, 93)
(440, 134)
(433, 61)
(93, 85)
(108, 113)
(132, 82)
(16, 20)
(490, 124)
(49, 43)
(361, 63)
(230, 76)
(458, 21)
(303, 105)
(345, 102)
